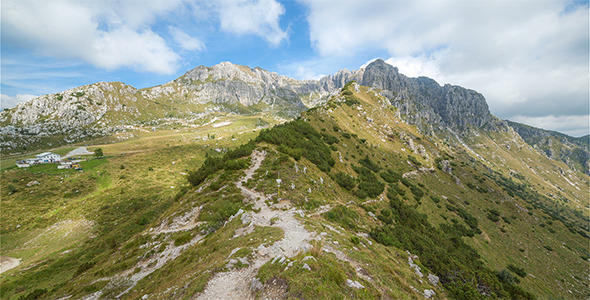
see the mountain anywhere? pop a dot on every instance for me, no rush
(104, 109)
(355, 197)
(572, 151)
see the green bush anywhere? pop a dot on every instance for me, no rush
(219, 210)
(343, 216)
(418, 193)
(344, 180)
(329, 139)
(11, 189)
(351, 100)
(443, 251)
(414, 160)
(493, 217)
(297, 138)
(367, 163)
(506, 277)
(516, 270)
(390, 176)
(229, 161)
(369, 185)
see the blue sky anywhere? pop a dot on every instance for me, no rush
(528, 58)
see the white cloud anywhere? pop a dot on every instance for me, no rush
(186, 41)
(526, 57)
(572, 125)
(10, 102)
(108, 34)
(258, 17)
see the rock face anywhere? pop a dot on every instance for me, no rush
(575, 152)
(426, 104)
(229, 83)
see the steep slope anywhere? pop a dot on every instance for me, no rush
(381, 211)
(570, 150)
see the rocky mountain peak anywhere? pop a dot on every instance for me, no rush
(424, 103)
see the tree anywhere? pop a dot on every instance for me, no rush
(98, 152)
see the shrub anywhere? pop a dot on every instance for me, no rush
(297, 138)
(391, 176)
(418, 193)
(329, 139)
(11, 189)
(367, 163)
(98, 152)
(343, 216)
(369, 185)
(351, 100)
(344, 180)
(516, 270)
(414, 160)
(493, 217)
(443, 251)
(229, 161)
(506, 277)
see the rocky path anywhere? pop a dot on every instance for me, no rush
(235, 284)
(7, 263)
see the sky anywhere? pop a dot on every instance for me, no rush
(529, 58)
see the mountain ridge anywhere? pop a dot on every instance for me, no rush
(103, 109)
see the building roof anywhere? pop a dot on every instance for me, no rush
(46, 154)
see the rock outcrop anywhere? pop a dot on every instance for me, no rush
(426, 104)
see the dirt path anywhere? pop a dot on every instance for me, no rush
(77, 152)
(7, 263)
(235, 284)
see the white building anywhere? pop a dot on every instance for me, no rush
(48, 157)
(43, 158)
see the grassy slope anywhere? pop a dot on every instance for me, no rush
(101, 218)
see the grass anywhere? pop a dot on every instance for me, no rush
(80, 227)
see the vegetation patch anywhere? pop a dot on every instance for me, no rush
(441, 250)
(299, 139)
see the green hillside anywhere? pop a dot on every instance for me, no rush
(346, 201)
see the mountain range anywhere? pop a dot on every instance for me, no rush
(234, 182)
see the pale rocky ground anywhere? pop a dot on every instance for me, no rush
(77, 152)
(7, 263)
(237, 283)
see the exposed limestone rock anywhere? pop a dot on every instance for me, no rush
(354, 284)
(429, 293)
(433, 279)
(446, 167)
